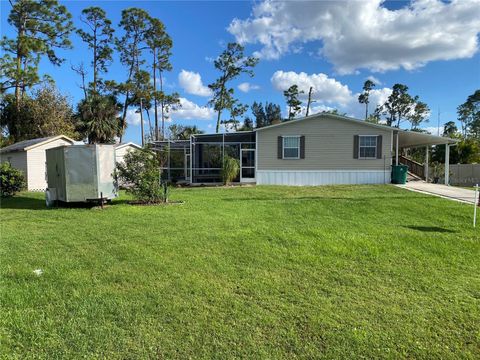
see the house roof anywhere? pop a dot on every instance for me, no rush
(122, 145)
(405, 138)
(33, 143)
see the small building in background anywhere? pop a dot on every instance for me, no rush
(29, 157)
(122, 149)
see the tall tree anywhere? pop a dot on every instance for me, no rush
(259, 113)
(273, 113)
(160, 45)
(247, 125)
(363, 98)
(450, 129)
(236, 110)
(130, 46)
(99, 38)
(231, 63)
(397, 105)
(469, 115)
(42, 27)
(291, 98)
(419, 112)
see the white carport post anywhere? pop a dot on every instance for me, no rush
(447, 163)
(426, 163)
(396, 149)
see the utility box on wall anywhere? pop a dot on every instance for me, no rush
(80, 173)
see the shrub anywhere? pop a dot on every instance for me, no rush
(11, 180)
(230, 169)
(141, 170)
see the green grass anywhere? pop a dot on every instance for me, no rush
(257, 272)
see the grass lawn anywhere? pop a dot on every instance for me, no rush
(255, 272)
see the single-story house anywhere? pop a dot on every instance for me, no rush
(29, 157)
(122, 149)
(316, 150)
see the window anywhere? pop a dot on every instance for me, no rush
(367, 147)
(291, 147)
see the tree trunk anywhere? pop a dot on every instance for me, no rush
(125, 106)
(95, 61)
(141, 123)
(366, 110)
(154, 92)
(162, 104)
(218, 121)
(309, 100)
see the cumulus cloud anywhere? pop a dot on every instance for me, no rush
(328, 93)
(191, 82)
(187, 111)
(364, 34)
(374, 80)
(191, 111)
(324, 88)
(247, 87)
(133, 117)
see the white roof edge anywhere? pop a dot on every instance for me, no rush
(356, 121)
(49, 140)
(118, 146)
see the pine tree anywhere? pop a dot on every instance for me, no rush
(231, 63)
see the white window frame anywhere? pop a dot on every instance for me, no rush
(290, 147)
(360, 146)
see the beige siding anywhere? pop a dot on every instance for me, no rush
(328, 146)
(36, 160)
(18, 159)
(121, 152)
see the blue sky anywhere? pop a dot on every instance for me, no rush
(430, 46)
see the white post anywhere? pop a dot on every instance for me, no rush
(475, 203)
(396, 150)
(447, 164)
(426, 163)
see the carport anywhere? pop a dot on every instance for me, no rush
(411, 139)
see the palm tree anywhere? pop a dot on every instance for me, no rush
(99, 115)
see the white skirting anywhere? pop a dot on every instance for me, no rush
(322, 177)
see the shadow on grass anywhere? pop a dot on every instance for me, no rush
(26, 202)
(430, 229)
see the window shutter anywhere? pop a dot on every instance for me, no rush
(302, 147)
(379, 146)
(355, 146)
(280, 147)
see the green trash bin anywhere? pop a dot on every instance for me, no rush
(399, 174)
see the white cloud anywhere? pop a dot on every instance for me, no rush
(133, 117)
(434, 130)
(188, 111)
(191, 111)
(374, 80)
(246, 87)
(325, 89)
(364, 34)
(191, 82)
(328, 93)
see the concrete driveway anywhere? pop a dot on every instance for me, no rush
(447, 192)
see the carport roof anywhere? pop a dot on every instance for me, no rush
(405, 138)
(411, 139)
